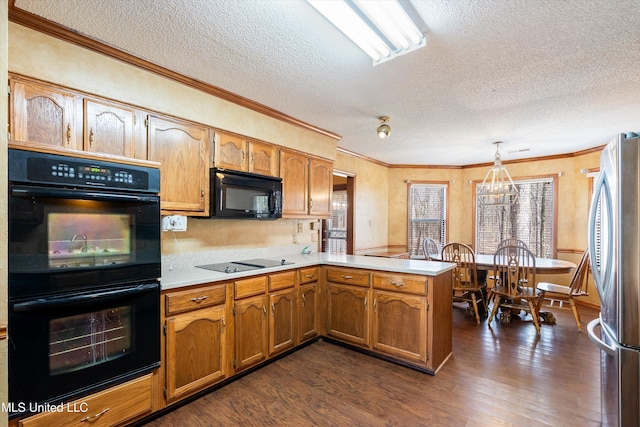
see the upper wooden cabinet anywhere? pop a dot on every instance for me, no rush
(320, 187)
(238, 153)
(306, 185)
(42, 113)
(109, 128)
(181, 148)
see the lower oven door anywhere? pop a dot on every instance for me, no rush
(74, 344)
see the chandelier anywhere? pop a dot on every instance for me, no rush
(498, 188)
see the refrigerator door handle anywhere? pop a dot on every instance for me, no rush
(602, 198)
(610, 350)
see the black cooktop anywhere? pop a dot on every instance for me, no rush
(244, 265)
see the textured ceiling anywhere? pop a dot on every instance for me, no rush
(544, 76)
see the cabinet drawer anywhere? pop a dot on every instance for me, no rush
(282, 280)
(249, 287)
(348, 276)
(308, 275)
(192, 299)
(401, 282)
(111, 407)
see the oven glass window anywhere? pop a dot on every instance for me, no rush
(88, 239)
(85, 340)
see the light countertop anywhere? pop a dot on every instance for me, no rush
(188, 276)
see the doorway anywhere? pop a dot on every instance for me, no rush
(337, 230)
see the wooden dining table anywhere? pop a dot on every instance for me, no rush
(543, 265)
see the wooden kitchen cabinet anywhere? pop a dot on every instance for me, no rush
(306, 185)
(263, 158)
(110, 128)
(181, 148)
(320, 188)
(195, 340)
(281, 321)
(242, 154)
(43, 113)
(400, 325)
(308, 304)
(251, 331)
(114, 406)
(294, 171)
(348, 317)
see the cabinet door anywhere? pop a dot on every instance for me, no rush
(251, 332)
(294, 170)
(320, 186)
(109, 128)
(400, 325)
(181, 149)
(263, 158)
(232, 152)
(43, 114)
(281, 321)
(348, 314)
(195, 350)
(308, 306)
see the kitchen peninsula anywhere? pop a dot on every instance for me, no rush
(217, 324)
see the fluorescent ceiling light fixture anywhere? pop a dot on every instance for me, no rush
(381, 28)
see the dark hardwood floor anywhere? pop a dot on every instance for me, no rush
(500, 376)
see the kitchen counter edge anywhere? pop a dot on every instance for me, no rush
(190, 276)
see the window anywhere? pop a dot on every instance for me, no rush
(427, 215)
(531, 219)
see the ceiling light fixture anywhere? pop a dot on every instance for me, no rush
(384, 130)
(498, 188)
(381, 28)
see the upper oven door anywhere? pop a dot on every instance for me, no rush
(68, 239)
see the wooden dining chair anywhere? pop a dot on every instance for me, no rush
(465, 276)
(578, 287)
(430, 247)
(515, 288)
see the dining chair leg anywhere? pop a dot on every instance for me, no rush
(574, 308)
(534, 314)
(475, 307)
(496, 303)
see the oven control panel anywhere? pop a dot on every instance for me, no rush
(33, 167)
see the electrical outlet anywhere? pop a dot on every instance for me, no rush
(174, 223)
(314, 237)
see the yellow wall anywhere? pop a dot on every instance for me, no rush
(371, 209)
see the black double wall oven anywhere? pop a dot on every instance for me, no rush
(84, 262)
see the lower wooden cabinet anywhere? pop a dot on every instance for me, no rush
(400, 325)
(348, 313)
(112, 407)
(308, 312)
(251, 331)
(281, 321)
(195, 350)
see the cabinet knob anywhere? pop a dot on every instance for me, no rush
(199, 299)
(68, 133)
(397, 284)
(91, 137)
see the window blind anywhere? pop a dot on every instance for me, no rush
(427, 215)
(530, 219)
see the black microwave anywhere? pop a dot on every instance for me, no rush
(245, 195)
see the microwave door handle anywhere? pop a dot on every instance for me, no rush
(272, 202)
(52, 303)
(54, 193)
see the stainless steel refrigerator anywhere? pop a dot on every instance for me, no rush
(614, 249)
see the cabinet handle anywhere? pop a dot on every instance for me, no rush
(365, 303)
(375, 304)
(224, 324)
(264, 312)
(253, 155)
(68, 133)
(304, 300)
(311, 203)
(199, 299)
(242, 156)
(91, 137)
(397, 284)
(308, 276)
(95, 416)
(202, 194)
(273, 310)
(346, 277)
